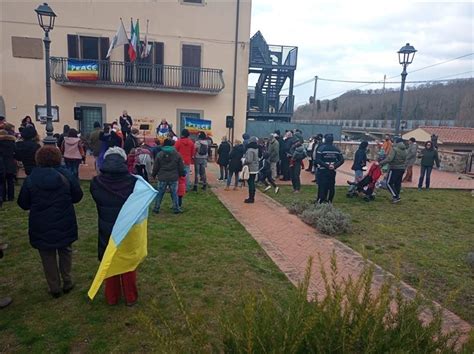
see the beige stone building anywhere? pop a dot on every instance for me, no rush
(189, 72)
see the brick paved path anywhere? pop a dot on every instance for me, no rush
(289, 242)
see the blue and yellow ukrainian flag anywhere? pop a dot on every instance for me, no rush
(127, 245)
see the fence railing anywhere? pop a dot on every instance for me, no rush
(143, 75)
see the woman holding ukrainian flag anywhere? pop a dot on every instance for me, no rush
(122, 203)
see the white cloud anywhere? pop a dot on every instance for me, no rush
(359, 39)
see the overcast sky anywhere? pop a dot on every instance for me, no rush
(358, 40)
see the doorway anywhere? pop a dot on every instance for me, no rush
(90, 115)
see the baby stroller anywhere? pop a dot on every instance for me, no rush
(366, 185)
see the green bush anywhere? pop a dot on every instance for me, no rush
(299, 207)
(349, 318)
(325, 217)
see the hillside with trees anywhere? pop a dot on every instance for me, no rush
(431, 101)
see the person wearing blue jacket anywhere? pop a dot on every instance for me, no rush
(49, 193)
(328, 158)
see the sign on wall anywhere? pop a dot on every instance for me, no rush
(197, 125)
(82, 70)
(40, 113)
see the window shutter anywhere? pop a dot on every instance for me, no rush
(159, 53)
(72, 46)
(126, 57)
(104, 48)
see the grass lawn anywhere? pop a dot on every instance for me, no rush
(205, 251)
(426, 237)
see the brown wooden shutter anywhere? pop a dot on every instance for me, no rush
(192, 56)
(72, 46)
(159, 53)
(104, 48)
(126, 57)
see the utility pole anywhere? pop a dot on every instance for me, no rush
(314, 95)
(384, 79)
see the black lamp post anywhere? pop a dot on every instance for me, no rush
(405, 57)
(46, 17)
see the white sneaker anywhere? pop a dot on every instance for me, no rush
(267, 188)
(277, 189)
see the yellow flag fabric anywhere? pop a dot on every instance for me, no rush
(127, 245)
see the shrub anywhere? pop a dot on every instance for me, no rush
(327, 219)
(470, 259)
(349, 318)
(299, 207)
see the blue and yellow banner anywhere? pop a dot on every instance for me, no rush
(194, 126)
(82, 70)
(127, 245)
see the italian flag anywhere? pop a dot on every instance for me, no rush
(134, 41)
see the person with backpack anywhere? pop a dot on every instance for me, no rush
(251, 161)
(168, 167)
(73, 152)
(143, 161)
(223, 152)
(429, 156)
(200, 161)
(185, 147)
(298, 154)
(26, 148)
(396, 161)
(49, 193)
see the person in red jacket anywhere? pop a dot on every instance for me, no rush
(185, 147)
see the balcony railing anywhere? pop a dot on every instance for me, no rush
(142, 76)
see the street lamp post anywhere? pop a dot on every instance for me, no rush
(46, 18)
(405, 57)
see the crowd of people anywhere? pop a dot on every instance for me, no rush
(51, 187)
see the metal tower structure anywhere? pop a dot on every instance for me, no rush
(275, 64)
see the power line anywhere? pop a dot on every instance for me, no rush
(408, 82)
(380, 81)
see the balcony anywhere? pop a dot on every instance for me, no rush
(137, 76)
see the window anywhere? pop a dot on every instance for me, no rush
(149, 69)
(191, 62)
(188, 113)
(87, 47)
(192, 1)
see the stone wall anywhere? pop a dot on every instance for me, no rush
(450, 161)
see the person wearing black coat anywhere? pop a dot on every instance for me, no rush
(235, 163)
(7, 167)
(25, 150)
(360, 161)
(110, 191)
(126, 123)
(223, 152)
(131, 141)
(49, 193)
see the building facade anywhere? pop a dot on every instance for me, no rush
(197, 49)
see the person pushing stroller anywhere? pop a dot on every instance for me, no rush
(367, 184)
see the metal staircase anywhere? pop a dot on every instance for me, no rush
(275, 65)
